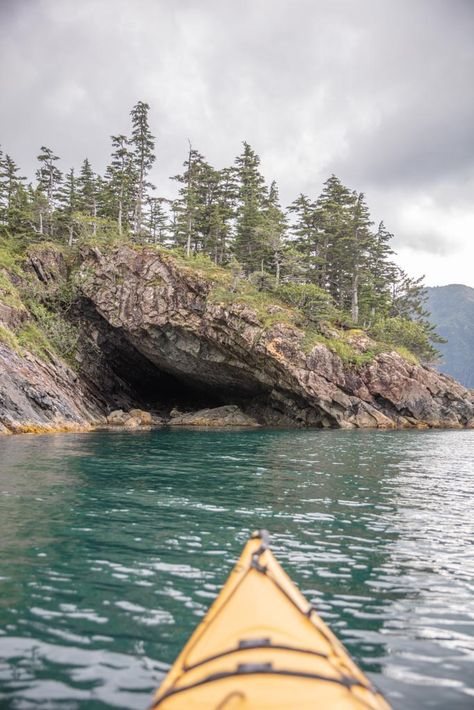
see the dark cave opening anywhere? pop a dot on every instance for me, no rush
(125, 377)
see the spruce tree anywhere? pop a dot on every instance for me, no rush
(358, 243)
(332, 221)
(87, 188)
(68, 204)
(273, 232)
(226, 198)
(305, 237)
(49, 179)
(143, 146)
(249, 247)
(376, 291)
(190, 208)
(12, 194)
(157, 221)
(119, 194)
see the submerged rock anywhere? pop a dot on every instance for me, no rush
(226, 416)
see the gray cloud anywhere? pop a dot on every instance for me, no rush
(379, 92)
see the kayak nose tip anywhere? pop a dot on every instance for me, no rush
(262, 535)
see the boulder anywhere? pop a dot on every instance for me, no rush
(117, 417)
(226, 416)
(142, 415)
(132, 423)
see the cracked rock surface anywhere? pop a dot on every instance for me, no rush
(163, 311)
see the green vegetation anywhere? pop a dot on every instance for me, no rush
(319, 261)
(41, 326)
(9, 338)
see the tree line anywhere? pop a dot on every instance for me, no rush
(326, 244)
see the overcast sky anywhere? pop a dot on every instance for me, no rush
(380, 92)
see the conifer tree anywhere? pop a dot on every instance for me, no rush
(49, 179)
(190, 207)
(249, 241)
(332, 219)
(273, 231)
(12, 193)
(157, 220)
(226, 198)
(305, 235)
(358, 243)
(142, 143)
(68, 203)
(87, 188)
(376, 291)
(120, 177)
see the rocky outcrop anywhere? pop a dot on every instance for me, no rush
(133, 419)
(43, 396)
(155, 338)
(39, 394)
(226, 416)
(164, 312)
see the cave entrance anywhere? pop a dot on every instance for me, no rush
(127, 377)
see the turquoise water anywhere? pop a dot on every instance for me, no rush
(112, 546)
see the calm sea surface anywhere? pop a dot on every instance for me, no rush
(112, 546)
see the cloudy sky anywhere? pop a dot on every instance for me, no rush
(380, 92)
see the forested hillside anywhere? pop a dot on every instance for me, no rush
(321, 254)
(452, 309)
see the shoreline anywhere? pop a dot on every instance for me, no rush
(67, 428)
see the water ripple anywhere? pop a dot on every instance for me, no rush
(113, 545)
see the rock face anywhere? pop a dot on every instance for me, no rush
(154, 338)
(41, 394)
(38, 396)
(162, 311)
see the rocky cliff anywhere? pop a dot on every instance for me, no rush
(38, 392)
(157, 334)
(169, 315)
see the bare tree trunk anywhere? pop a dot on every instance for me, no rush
(94, 223)
(71, 235)
(41, 231)
(277, 270)
(119, 221)
(355, 297)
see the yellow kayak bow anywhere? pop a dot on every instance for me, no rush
(262, 645)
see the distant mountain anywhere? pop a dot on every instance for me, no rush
(452, 310)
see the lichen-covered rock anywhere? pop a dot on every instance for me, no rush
(226, 416)
(164, 312)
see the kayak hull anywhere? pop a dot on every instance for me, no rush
(262, 645)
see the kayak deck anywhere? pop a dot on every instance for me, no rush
(262, 645)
